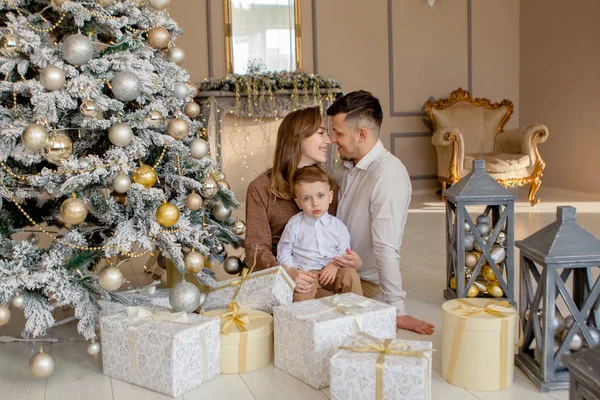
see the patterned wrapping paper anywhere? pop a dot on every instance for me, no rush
(164, 356)
(260, 290)
(307, 333)
(405, 376)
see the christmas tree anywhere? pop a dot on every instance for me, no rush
(101, 151)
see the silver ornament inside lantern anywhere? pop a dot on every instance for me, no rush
(120, 134)
(483, 219)
(52, 78)
(126, 86)
(34, 137)
(233, 265)
(198, 148)
(220, 212)
(185, 297)
(77, 49)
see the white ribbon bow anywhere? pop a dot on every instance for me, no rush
(156, 315)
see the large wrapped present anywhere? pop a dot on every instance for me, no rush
(260, 290)
(307, 333)
(478, 343)
(369, 368)
(170, 353)
(246, 339)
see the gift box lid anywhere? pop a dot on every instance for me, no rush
(260, 324)
(481, 315)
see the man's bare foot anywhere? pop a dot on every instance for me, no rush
(412, 324)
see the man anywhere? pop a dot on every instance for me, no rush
(374, 196)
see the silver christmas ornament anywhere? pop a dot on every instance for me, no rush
(501, 239)
(155, 118)
(185, 297)
(33, 239)
(159, 5)
(498, 254)
(558, 323)
(120, 134)
(84, 163)
(93, 348)
(467, 227)
(106, 2)
(198, 148)
(220, 212)
(4, 315)
(238, 227)
(469, 241)
(18, 301)
(175, 55)
(41, 364)
(58, 148)
(110, 278)
(233, 265)
(576, 342)
(209, 187)
(193, 201)
(34, 137)
(224, 185)
(121, 183)
(126, 86)
(181, 90)
(194, 262)
(77, 49)
(470, 260)
(483, 219)
(569, 321)
(10, 45)
(595, 337)
(158, 37)
(483, 229)
(52, 78)
(218, 175)
(178, 128)
(194, 91)
(219, 248)
(191, 109)
(476, 246)
(89, 109)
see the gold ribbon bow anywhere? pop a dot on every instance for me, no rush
(234, 316)
(384, 348)
(495, 308)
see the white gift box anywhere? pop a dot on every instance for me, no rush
(402, 367)
(167, 352)
(307, 333)
(260, 290)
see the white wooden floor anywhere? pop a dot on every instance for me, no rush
(79, 376)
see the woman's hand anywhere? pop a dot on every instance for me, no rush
(350, 259)
(304, 280)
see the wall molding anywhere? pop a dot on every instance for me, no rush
(393, 112)
(209, 38)
(404, 135)
(314, 33)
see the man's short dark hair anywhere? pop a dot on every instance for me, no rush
(358, 106)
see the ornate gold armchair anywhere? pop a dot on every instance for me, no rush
(467, 128)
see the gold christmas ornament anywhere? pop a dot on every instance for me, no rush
(453, 283)
(10, 44)
(488, 273)
(194, 262)
(175, 55)
(233, 265)
(58, 148)
(167, 214)
(238, 227)
(110, 278)
(155, 118)
(52, 78)
(473, 291)
(193, 201)
(494, 289)
(4, 315)
(73, 211)
(145, 175)
(191, 109)
(224, 185)
(158, 37)
(59, 2)
(194, 90)
(159, 5)
(120, 198)
(209, 187)
(34, 137)
(41, 364)
(89, 109)
(178, 128)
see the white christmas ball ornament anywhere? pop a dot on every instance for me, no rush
(110, 278)
(18, 301)
(159, 4)
(77, 49)
(34, 137)
(126, 86)
(121, 183)
(41, 364)
(93, 348)
(52, 78)
(191, 109)
(175, 55)
(198, 148)
(185, 297)
(221, 212)
(120, 134)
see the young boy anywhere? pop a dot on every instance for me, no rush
(313, 238)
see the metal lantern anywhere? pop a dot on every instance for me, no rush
(479, 237)
(549, 258)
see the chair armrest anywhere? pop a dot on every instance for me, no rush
(522, 140)
(451, 152)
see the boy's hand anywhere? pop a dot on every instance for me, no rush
(328, 274)
(350, 259)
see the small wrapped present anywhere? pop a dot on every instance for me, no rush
(167, 352)
(476, 327)
(369, 368)
(307, 333)
(260, 290)
(246, 339)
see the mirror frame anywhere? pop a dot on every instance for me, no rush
(229, 35)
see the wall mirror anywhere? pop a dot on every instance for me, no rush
(262, 32)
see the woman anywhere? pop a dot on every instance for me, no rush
(302, 140)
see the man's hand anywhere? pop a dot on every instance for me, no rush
(413, 324)
(327, 274)
(350, 259)
(304, 280)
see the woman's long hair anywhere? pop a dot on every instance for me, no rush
(295, 127)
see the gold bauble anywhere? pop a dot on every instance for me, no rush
(473, 291)
(59, 2)
(488, 273)
(73, 211)
(194, 262)
(4, 315)
(167, 214)
(453, 283)
(110, 278)
(193, 201)
(238, 227)
(34, 137)
(145, 175)
(158, 37)
(41, 364)
(155, 118)
(224, 185)
(178, 128)
(120, 198)
(58, 148)
(494, 289)
(191, 109)
(10, 45)
(89, 109)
